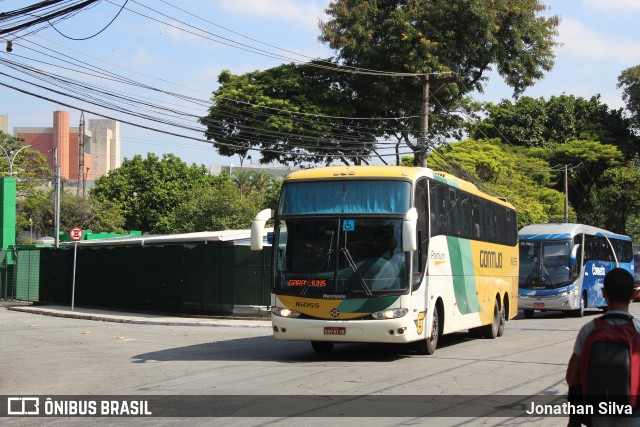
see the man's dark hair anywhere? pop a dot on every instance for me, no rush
(619, 285)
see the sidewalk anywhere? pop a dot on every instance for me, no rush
(127, 317)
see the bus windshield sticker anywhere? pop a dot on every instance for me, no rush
(348, 225)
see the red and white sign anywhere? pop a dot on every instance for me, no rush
(76, 233)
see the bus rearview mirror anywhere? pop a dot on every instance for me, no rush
(409, 230)
(257, 228)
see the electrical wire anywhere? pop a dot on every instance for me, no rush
(91, 36)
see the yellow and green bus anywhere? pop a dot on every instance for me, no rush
(389, 254)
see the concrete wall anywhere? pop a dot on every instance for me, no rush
(104, 146)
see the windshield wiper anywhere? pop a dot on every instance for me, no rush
(354, 267)
(545, 271)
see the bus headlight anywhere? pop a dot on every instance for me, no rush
(390, 313)
(284, 312)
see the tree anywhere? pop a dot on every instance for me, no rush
(148, 190)
(75, 211)
(589, 161)
(530, 122)
(466, 37)
(618, 197)
(629, 81)
(28, 166)
(281, 112)
(212, 208)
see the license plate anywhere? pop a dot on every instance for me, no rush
(335, 330)
(538, 304)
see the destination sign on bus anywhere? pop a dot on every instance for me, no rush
(318, 283)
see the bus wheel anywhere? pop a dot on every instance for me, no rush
(322, 346)
(491, 331)
(583, 303)
(429, 344)
(528, 314)
(503, 320)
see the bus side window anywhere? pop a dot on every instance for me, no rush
(467, 220)
(438, 209)
(454, 227)
(477, 218)
(590, 249)
(490, 222)
(605, 252)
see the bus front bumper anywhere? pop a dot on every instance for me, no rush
(564, 301)
(401, 330)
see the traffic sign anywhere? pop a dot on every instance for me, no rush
(76, 233)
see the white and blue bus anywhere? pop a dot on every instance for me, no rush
(562, 266)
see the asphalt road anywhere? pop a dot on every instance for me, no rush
(50, 356)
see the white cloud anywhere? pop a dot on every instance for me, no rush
(302, 13)
(582, 42)
(611, 5)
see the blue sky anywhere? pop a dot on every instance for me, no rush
(599, 39)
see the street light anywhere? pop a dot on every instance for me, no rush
(12, 159)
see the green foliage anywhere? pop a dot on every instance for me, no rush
(619, 197)
(28, 166)
(505, 172)
(465, 37)
(148, 190)
(75, 211)
(588, 160)
(629, 81)
(209, 208)
(276, 112)
(263, 109)
(536, 123)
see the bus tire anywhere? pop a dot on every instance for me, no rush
(491, 330)
(428, 345)
(503, 320)
(583, 304)
(528, 314)
(322, 346)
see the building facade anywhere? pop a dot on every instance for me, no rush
(101, 152)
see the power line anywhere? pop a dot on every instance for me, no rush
(298, 152)
(92, 36)
(44, 18)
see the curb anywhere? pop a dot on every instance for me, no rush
(125, 319)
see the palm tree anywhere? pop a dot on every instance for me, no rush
(242, 178)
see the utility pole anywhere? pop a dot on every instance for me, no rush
(566, 195)
(81, 155)
(56, 208)
(424, 128)
(423, 144)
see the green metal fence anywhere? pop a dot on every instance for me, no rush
(194, 278)
(27, 268)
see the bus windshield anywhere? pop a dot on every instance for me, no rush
(350, 256)
(545, 264)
